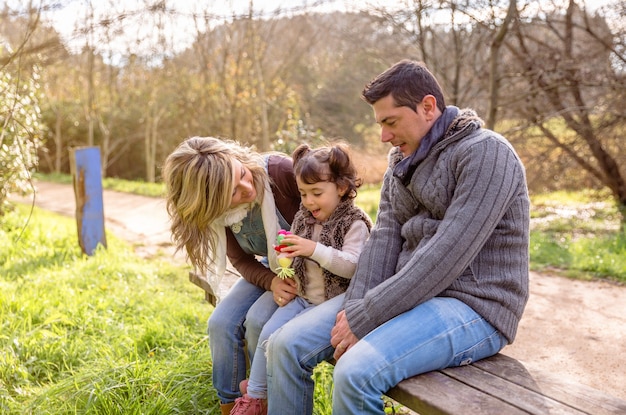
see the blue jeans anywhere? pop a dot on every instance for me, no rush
(439, 333)
(238, 317)
(257, 383)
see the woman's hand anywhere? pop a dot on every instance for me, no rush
(297, 246)
(284, 290)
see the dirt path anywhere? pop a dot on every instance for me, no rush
(573, 329)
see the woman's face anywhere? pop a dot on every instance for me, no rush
(243, 189)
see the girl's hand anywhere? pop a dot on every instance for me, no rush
(284, 290)
(297, 246)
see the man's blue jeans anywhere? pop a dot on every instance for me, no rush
(239, 316)
(439, 333)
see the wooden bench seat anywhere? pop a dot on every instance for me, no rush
(499, 385)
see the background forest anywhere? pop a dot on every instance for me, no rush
(135, 78)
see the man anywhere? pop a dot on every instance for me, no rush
(442, 280)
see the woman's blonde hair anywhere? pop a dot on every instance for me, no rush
(198, 176)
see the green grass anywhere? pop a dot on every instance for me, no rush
(120, 185)
(367, 199)
(103, 334)
(579, 235)
(573, 234)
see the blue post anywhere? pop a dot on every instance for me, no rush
(87, 176)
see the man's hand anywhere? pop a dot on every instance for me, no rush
(284, 290)
(341, 337)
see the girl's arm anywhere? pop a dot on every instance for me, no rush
(343, 262)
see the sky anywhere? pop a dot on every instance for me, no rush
(180, 28)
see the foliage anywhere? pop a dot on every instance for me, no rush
(323, 377)
(566, 92)
(275, 79)
(323, 393)
(20, 133)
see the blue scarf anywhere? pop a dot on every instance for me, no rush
(406, 167)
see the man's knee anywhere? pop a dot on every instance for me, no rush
(347, 371)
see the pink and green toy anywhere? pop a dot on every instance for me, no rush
(285, 270)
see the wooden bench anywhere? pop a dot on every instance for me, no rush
(499, 385)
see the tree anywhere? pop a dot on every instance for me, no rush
(21, 130)
(20, 133)
(568, 82)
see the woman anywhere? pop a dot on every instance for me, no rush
(225, 200)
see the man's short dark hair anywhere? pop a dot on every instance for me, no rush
(408, 82)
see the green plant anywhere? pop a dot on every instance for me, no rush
(20, 133)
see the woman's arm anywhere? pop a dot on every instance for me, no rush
(247, 265)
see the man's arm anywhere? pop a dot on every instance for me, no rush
(379, 256)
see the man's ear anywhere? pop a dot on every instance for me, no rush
(429, 102)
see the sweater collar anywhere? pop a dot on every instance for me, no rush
(406, 167)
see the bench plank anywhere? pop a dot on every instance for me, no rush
(501, 385)
(199, 280)
(438, 394)
(528, 400)
(566, 391)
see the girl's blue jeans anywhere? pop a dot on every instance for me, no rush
(237, 319)
(439, 333)
(257, 383)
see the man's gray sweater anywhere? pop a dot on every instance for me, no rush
(458, 228)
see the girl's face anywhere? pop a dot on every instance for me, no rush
(243, 189)
(321, 198)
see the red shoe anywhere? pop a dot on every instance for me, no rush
(243, 387)
(249, 406)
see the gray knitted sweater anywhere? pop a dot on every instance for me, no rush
(458, 228)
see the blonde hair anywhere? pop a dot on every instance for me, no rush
(198, 176)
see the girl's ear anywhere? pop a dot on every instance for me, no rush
(342, 190)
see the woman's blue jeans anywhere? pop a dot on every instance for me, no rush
(238, 317)
(439, 333)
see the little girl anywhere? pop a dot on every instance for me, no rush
(328, 233)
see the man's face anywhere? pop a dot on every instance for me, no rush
(403, 127)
